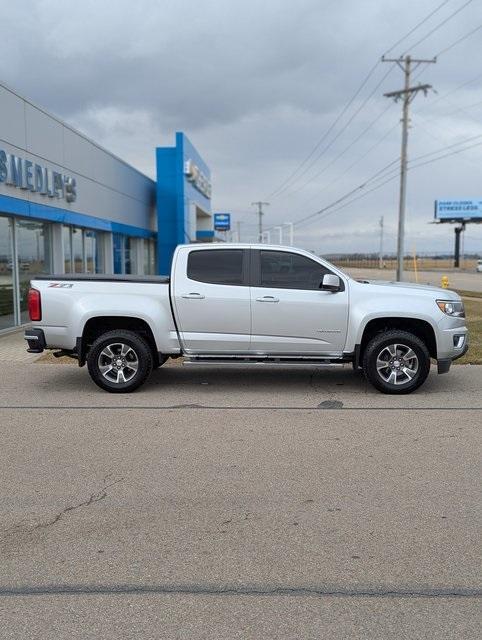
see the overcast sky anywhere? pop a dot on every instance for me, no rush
(255, 85)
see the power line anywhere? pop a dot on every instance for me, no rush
(341, 131)
(346, 149)
(327, 210)
(441, 24)
(359, 197)
(278, 190)
(428, 131)
(449, 93)
(384, 174)
(347, 169)
(461, 39)
(292, 177)
(446, 155)
(450, 146)
(417, 26)
(451, 46)
(376, 176)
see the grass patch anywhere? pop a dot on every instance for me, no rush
(473, 312)
(468, 294)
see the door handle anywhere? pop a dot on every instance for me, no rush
(194, 296)
(267, 299)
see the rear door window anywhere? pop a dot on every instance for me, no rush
(217, 266)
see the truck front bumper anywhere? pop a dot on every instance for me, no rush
(443, 364)
(35, 339)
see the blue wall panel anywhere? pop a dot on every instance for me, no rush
(175, 194)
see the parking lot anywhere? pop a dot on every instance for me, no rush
(461, 280)
(239, 503)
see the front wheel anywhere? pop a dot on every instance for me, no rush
(396, 362)
(119, 361)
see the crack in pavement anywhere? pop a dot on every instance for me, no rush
(97, 496)
(239, 590)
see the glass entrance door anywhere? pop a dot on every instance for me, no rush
(7, 301)
(34, 257)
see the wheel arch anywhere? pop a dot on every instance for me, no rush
(420, 328)
(98, 325)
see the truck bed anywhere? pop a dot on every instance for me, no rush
(101, 277)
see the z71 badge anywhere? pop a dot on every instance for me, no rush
(61, 285)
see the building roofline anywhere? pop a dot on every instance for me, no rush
(73, 129)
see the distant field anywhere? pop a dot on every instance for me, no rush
(423, 264)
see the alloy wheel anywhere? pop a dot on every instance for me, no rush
(118, 362)
(397, 364)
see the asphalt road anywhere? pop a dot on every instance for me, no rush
(239, 503)
(468, 281)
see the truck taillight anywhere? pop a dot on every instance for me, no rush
(34, 305)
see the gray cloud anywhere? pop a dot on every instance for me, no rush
(255, 85)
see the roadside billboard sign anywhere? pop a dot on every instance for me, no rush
(222, 221)
(458, 210)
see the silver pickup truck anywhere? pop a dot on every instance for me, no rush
(230, 304)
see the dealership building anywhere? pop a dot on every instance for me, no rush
(69, 206)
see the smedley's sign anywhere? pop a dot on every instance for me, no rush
(194, 174)
(24, 174)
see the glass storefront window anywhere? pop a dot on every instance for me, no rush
(34, 256)
(78, 250)
(90, 242)
(99, 252)
(26, 249)
(7, 315)
(67, 250)
(149, 257)
(124, 254)
(130, 255)
(118, 242)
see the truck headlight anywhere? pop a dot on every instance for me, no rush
(452, 308)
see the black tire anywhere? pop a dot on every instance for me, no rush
(403, 372)
(136, 356)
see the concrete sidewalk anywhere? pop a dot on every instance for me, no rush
(13, 348)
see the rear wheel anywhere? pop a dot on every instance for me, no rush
(119, 361)
(396, 362)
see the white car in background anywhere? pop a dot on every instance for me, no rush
(478, 268)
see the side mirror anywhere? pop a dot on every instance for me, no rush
(331, 283)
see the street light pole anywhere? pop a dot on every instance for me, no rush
(380, 259)
(291, 228)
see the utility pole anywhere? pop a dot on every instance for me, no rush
(380, 259)
(260, 217)
(238, 226)
(407, 94)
